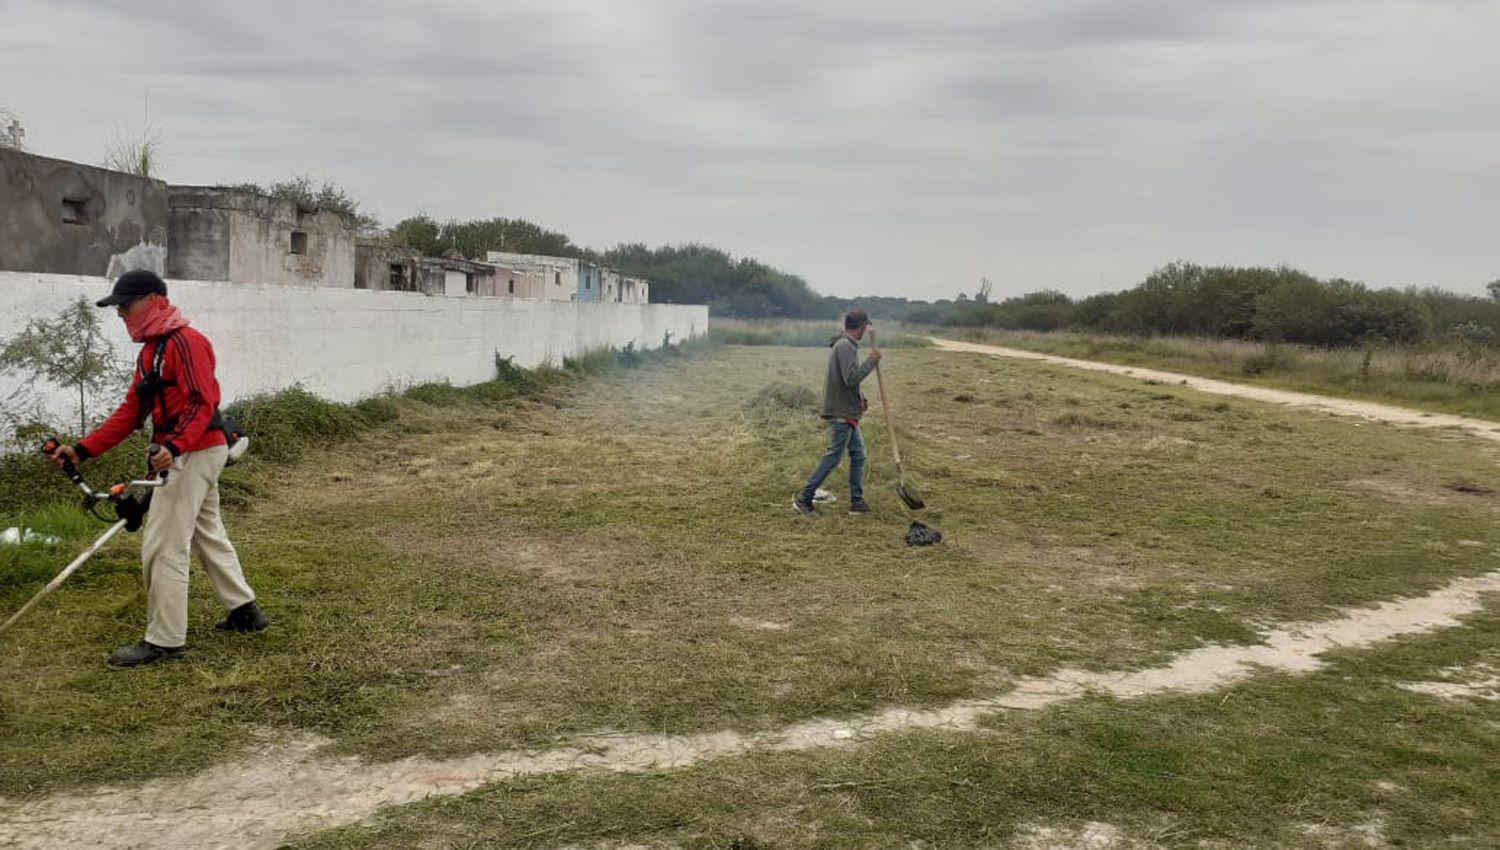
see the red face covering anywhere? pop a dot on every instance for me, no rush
(157, 317)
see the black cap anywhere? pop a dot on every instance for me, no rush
(132, 285)
(856, 319)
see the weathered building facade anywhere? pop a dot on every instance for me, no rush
(590, 282)
(66, 218)
(456, 277)
(546, 278)
(611, 291)
(229, 234)
(383, 265)
(519, 280)
(634, 290)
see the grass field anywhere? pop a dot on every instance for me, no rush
(806, 334)
(619, 554)
(1447, 378)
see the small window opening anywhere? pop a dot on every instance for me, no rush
(557, 278)
(299, 242)
(75, 211)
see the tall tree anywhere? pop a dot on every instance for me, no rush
(476, 237)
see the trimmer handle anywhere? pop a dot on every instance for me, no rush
(151, 453)
(68, 467)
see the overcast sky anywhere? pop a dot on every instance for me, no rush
(881, 148)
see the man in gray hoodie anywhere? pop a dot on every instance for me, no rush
(843, 405)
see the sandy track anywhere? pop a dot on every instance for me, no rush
(1340, 406)
(287, 789)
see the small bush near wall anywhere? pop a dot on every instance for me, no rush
(282, 425)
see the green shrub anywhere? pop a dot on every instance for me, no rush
(377, 410)
(281, 425)
(1262, 362)
(28, 480)
(595, 362)
(437, 394)
(508, 373)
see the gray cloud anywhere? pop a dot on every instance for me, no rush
(892, 148)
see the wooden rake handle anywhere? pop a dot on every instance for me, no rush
(885, 407)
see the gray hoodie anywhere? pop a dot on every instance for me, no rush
(841, 396)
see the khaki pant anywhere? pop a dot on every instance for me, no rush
(185, 518)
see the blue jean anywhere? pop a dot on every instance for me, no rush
(845, 437)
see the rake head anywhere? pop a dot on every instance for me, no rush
(909, 496)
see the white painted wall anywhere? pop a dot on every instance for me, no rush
(455, 284)
(347, 344)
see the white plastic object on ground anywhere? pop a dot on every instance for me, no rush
(14, 536)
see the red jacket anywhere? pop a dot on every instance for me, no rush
(181, 410)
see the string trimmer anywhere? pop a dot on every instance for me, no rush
(118, 505)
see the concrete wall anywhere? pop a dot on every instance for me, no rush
(62, 217)
(346, 344)
(244, 237)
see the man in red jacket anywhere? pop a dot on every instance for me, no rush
(174, 385)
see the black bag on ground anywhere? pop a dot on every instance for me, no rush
(921, 535)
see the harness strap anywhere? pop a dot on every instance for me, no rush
(151, 385)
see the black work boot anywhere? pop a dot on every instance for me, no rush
(804, 508)
(859, 507)
(144, 652)
(246, 618)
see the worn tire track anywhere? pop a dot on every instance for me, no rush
(1328, 404)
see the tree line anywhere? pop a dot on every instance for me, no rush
(682, 274)
(1280, 304)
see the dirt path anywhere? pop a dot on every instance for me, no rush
(287, 789)
(1328, 404)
